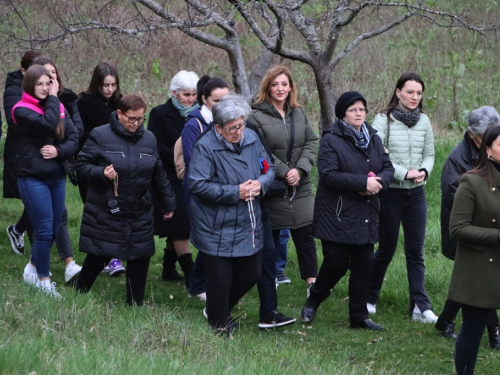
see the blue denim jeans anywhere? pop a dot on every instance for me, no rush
(282, 250)
(43, 199)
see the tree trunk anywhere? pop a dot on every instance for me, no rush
(327, 99)
(237, 63)
(262, 64)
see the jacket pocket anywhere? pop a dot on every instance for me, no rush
(338, 210)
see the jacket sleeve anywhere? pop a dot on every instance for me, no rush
(157, 126)
(428, 154)
(69, 146)
(87, 159)
(36, 125)
(461, 228)
(162, 186)
(281, 169)
(450, 178)
(77, 120)
(189, 135)
(387, 173)
(309, 149)
(330, 170)
(200, 179)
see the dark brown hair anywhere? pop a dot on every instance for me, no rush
(43, 60)
(484, 167)
(28, 58)
(206, 85)
(101, 71)
(30, 80)
(131, 102)
(408, 76)
(267, 81)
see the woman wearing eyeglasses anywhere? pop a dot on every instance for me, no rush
(121, 162)
(279, 117)
(353, 169)
(229, 172)
(407, 134)
(166, 122)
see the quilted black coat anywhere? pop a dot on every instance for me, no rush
(341, 213)
(126, 234)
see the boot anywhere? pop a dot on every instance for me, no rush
(493, 334)
(186, 263)
(169, 271)
(309, 310)
(447, 327)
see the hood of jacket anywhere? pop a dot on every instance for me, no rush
(119, 129)
(14, 79)
(470, 152)
(270, 109)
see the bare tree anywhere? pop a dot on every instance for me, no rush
(323, 27)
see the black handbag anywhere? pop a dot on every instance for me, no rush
(72, 171)
(279, 185)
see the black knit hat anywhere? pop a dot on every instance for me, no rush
(345, 100)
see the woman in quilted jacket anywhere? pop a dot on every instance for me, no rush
(406, 133)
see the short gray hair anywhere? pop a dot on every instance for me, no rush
(480, 119)
(184, 80)
(229, 108)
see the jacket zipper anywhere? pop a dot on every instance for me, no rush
(141, 155)
(116, 152)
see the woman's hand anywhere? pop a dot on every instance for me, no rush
(413, 174)
(109, 172)
(292, 178)
(48, 152)
(249, 189)
(373, 186)
(168, 215)
(54, 87)
(420, 178)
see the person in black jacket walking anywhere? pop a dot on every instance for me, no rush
(353, 168)
(121, 162)
(47, 139)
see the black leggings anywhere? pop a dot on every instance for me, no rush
(136, 274)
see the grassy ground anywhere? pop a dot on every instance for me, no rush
(97, 334)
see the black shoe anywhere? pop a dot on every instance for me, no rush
(169, 272)
(309, 310)
(446, 327)
(367, 324)
(493, 334)
(276, 319)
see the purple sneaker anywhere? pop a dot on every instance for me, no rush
(115, 267)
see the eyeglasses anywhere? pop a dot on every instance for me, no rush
(234, 129)
(360, 110)
(131, 119)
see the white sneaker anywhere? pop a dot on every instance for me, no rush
(30, 275)
(72, 271)
(202, 296)
(427, 316)
(372, 309)
(48, 288)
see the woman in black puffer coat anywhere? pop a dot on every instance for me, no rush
(353, 168)
(121, 162)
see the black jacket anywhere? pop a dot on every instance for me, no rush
(128, 233)
(94, 111)
(166, 123)
(35, 131)
(462, 158)
(11, 96)
(341, 214)
(68, 98)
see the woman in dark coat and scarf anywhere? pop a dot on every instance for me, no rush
(166, 122)
(353, 169)
(121, 162)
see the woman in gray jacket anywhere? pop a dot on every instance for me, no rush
(229, 168)
(406, 134)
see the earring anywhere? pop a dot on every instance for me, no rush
(489, 156)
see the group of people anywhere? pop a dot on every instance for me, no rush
(233, 176)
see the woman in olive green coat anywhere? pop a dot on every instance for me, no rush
(274, 109)
(475, 225)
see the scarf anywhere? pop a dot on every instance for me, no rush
(361, 138)
(410, 119)
(184, 111)
(207, 114)
(34, 104)
(234, 147)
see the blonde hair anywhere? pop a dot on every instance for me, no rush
(265, 87)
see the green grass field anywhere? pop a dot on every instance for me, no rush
(98, 334)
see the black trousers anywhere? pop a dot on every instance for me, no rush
(228, 279)
(474, 320)
(306, 250)
(338, 259)
(135, 274)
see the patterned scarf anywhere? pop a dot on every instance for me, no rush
(234, 147)
(362, 138)
(184, 111)
(410, 119)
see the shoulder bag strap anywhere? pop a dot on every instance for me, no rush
(292, 138)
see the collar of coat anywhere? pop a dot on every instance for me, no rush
(250, 138)
(470, 149)
(270, 109)
(337, 129)
(119, 129)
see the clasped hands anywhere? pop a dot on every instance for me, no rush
(416, 176)
(372, 186)
(249, 190)
(48, 152)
